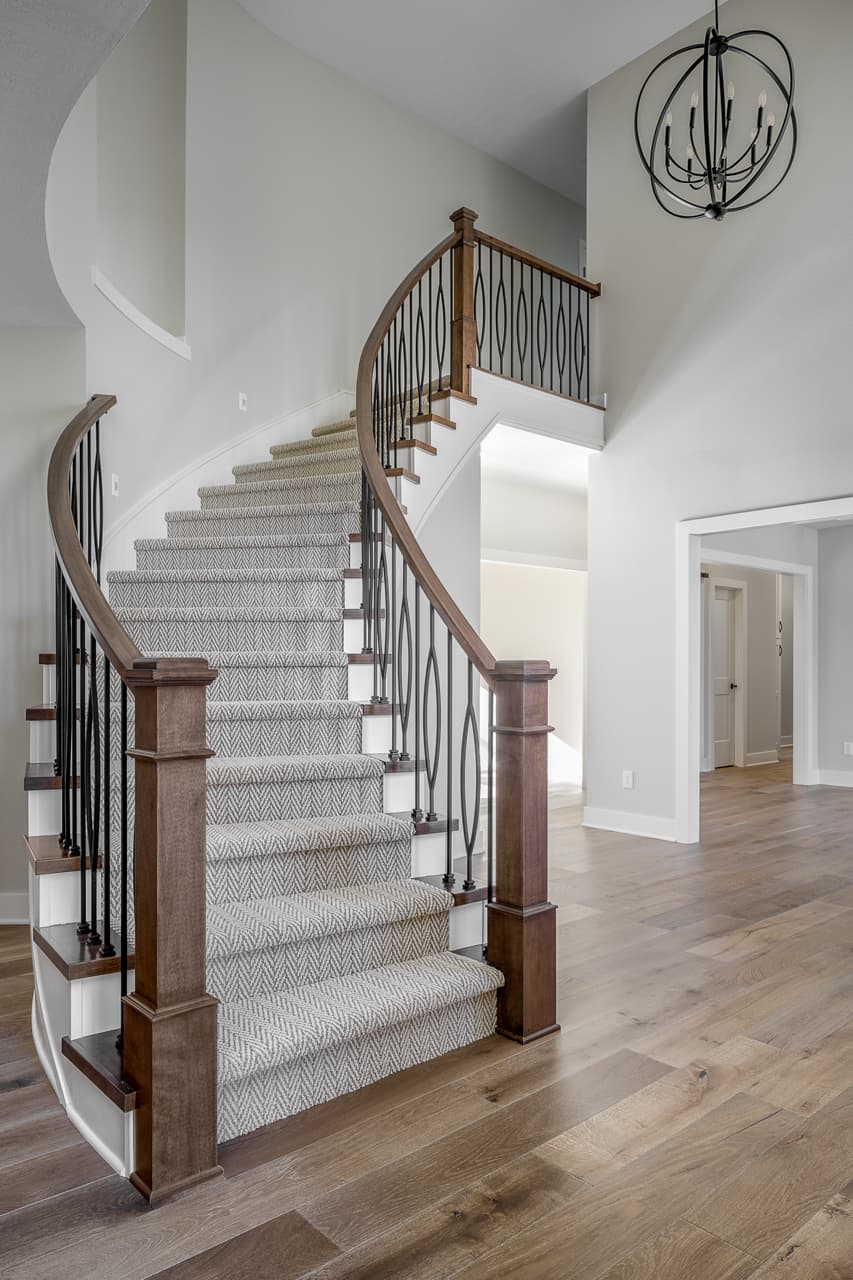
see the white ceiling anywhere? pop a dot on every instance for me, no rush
(510, 453)
(509, 76)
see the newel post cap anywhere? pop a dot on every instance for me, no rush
(523, 670)
(463, 215)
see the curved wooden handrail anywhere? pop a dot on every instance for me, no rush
(538, 264)
(430, 583)
(90, 600)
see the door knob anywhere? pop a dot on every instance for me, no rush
(732, 685)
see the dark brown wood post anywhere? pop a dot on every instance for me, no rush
(170, 1020)
(522, 922)
(463, 326)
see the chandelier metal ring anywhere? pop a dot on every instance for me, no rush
(709, 167)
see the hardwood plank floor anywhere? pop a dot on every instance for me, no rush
(693, 1121)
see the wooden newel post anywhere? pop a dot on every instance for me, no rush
(463, 325)
(170, 1020)
(522, 922)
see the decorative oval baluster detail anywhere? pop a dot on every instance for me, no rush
(580, 350)
(470, 732)
(402, 383)
(420, 350)
(561, 339)
(521, 318)
(440, 324)
(500, 318)
(479, 307)
(541, 332)
(404, 634)
(381, 619)
(431, 700)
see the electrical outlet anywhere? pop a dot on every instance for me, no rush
(628, 779)
(114, 485)
(242, 401)
(848, 748)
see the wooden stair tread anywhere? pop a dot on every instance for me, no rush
(99, 1060)
(39, 776)
(461, 896)
(432, 417)
(72, 955)
(393, 472)
(411, 442)
(46, 856)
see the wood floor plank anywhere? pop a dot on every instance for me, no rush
(378, 1202)
(683, 1252)
(284, 1249)
(44, 1176)
(821, 1249)
(607, 1221)
(453, 1234)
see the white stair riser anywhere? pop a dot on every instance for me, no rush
(44, 812)
(55, 898)
(468, 926)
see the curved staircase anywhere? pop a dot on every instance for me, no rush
(331, 962)
(290, 781)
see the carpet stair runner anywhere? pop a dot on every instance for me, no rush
(332, 964)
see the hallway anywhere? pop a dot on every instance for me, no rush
(692, 1122)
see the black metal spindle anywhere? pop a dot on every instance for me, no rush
(470, 824)
(490, 801)
(513, 318)
(586, 348)
(123, 864)
(440, 324)
(417, 812)
(107, 948)
(420, 342)
(432, 685)
(448, 877)
(404, 637)
(429, 342)
(491, 310)
(541, 330)
(394, 753)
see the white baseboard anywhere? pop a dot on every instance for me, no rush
(649, 825)
(14, 908)
(834, 778)
(786, 740)
(753, 758)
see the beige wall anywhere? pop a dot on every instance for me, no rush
(142, 120)
(531, 612)
(42, 374)
(532, 519)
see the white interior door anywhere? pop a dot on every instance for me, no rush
(723, 675)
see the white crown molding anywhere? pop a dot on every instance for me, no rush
(495, 555)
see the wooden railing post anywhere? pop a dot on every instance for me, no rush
(169, 1024)
(522, 922)
(463, 326)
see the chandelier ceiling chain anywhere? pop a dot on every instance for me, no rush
(715, 164)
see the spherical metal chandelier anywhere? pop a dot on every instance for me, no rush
(700, 159)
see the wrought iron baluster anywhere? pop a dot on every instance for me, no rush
(420, 343)
(490, 802)
(470, 730)
(513, 317)
(440, 324)
(417, 812)
(123, 864)
(107, 949)
(402, 383)
(411, 372)
(541, 330)
(491, 310)
(448, 877)
(432, 685)
(500, 315)
(366, 495)
(532, 380)
(429, 342)
(77, 685)
(93, 787)
(586, 352)
(479, 304)
(404, 637)
(380, 623)
(394, 753)
(561, 339)
(551, 332)
(570, 337)
(521, 322)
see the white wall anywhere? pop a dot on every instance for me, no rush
(308, 199)
(835, 625)
(723, 349)
(533, 521)
(141, 131)
(541, 613)
(762, 706)
(42, 376)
